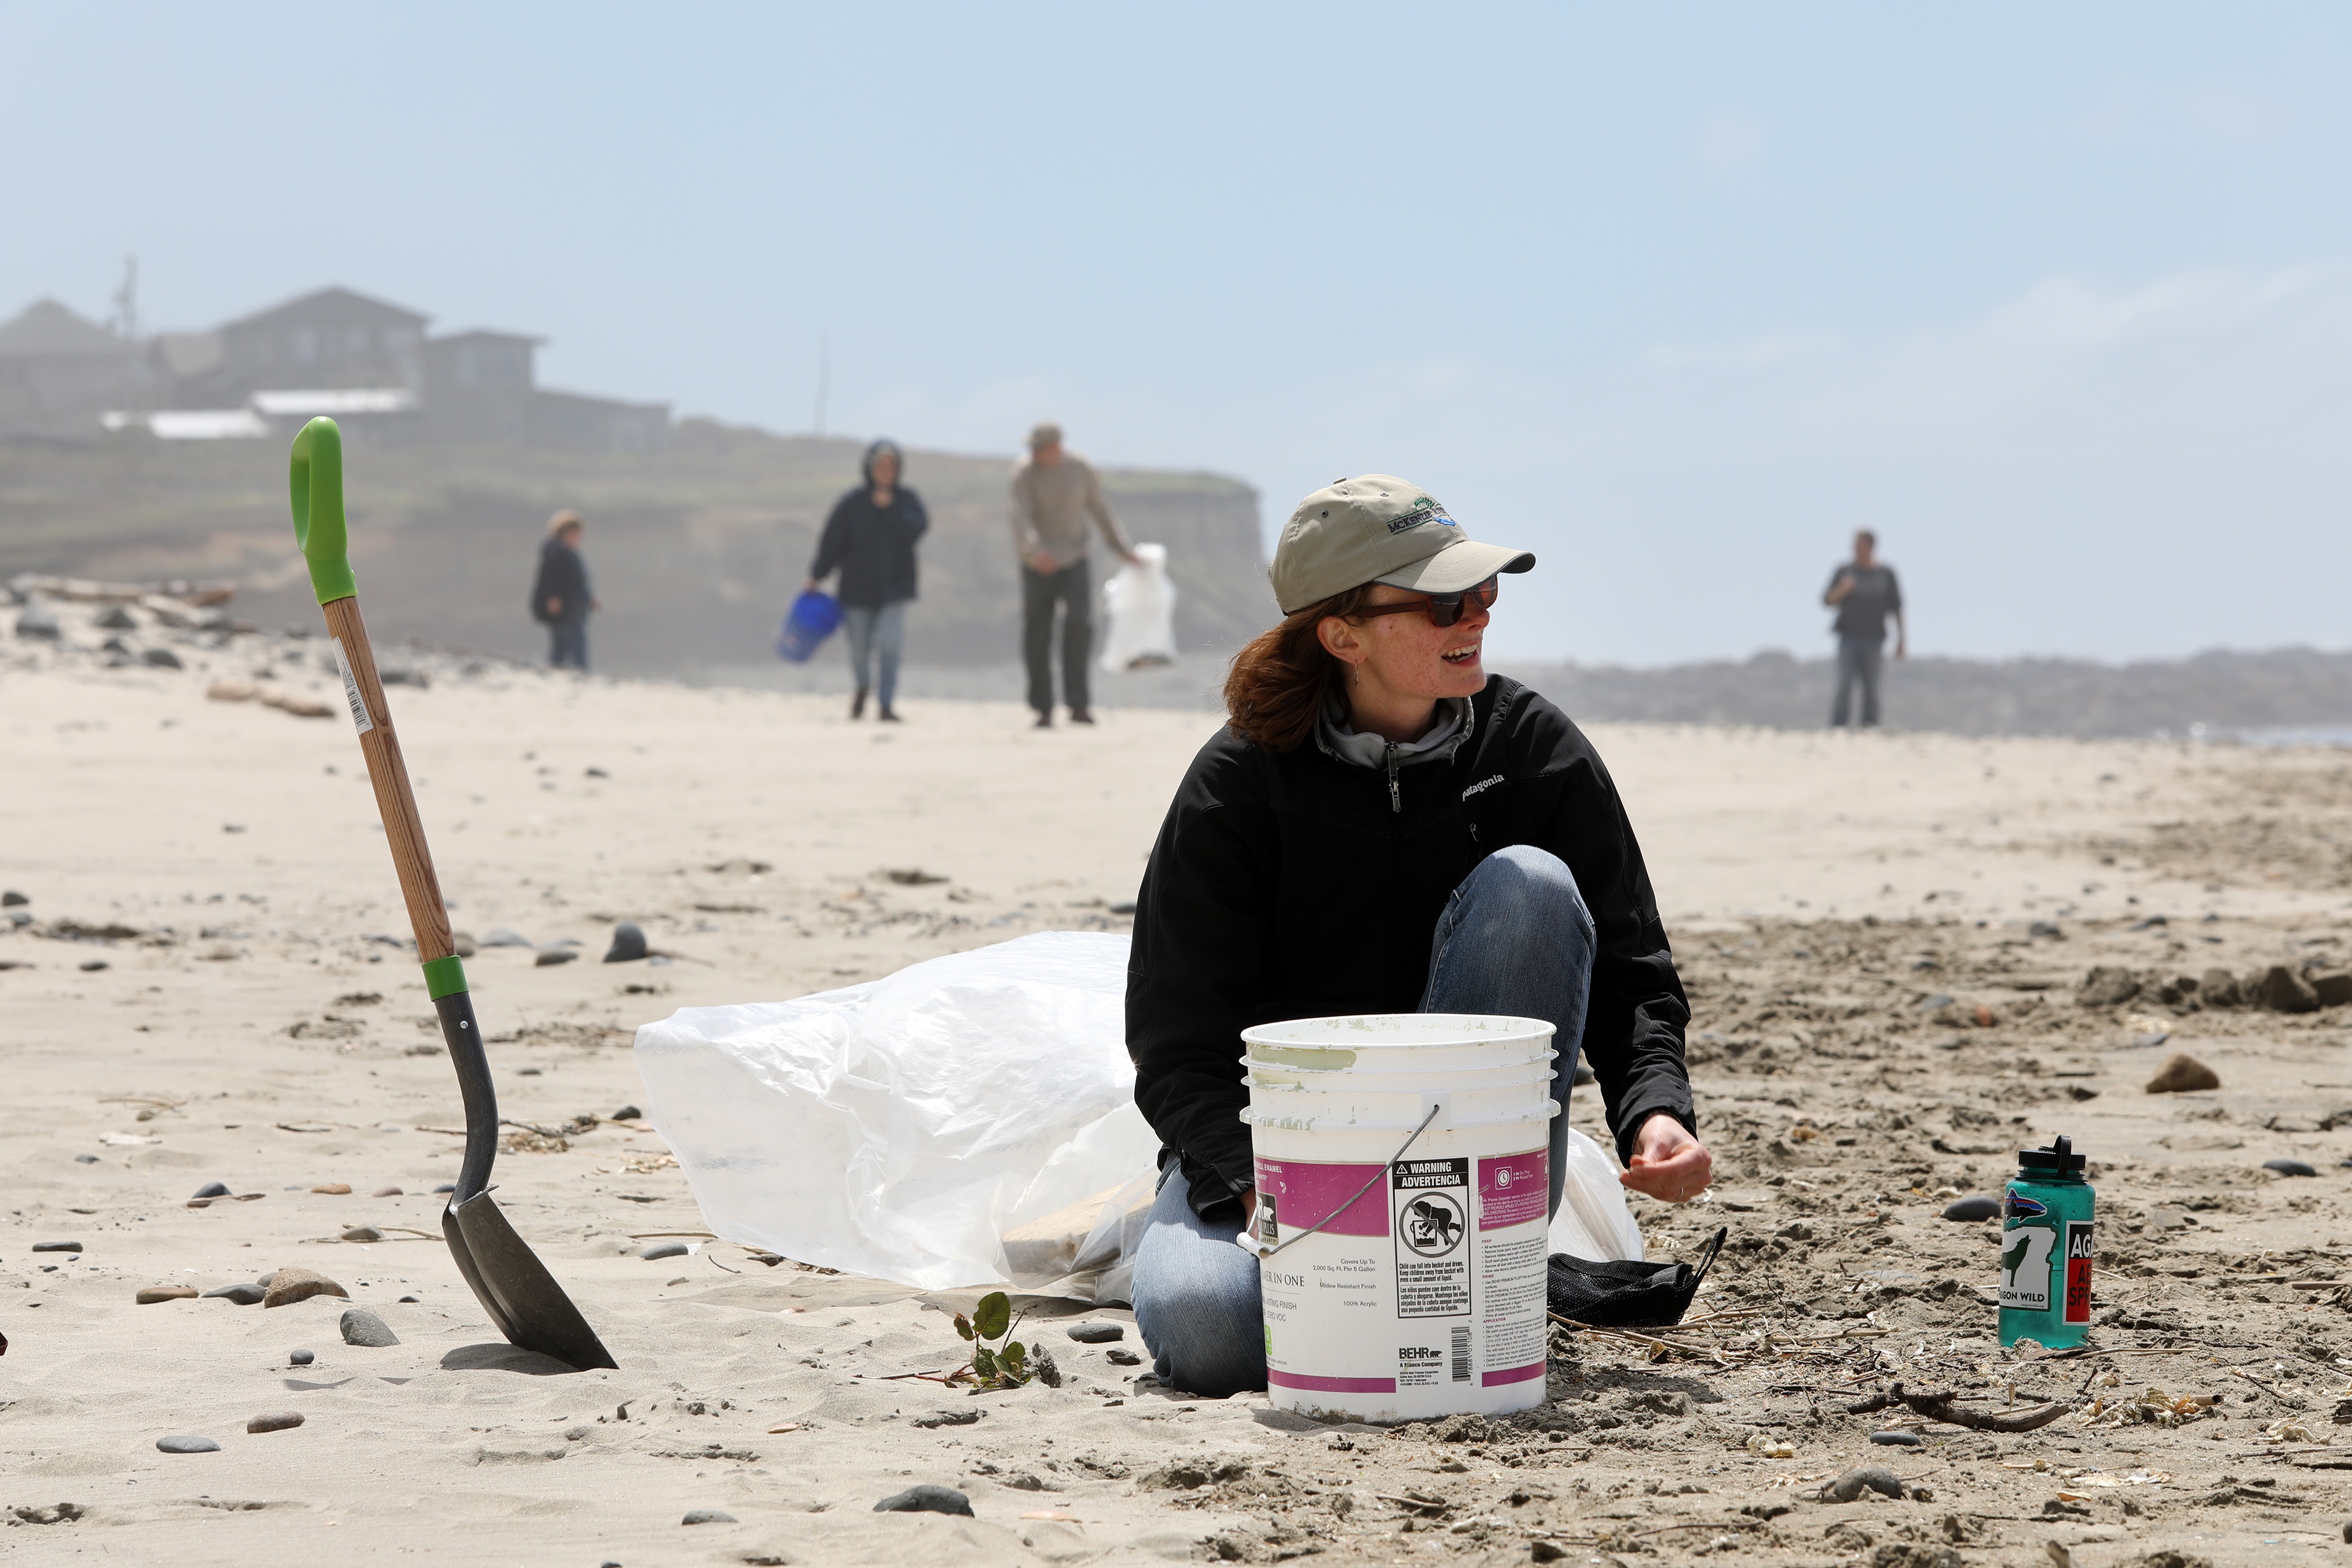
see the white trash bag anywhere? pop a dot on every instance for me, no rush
(1594, 1222)
(967, 1120)
(1141, 604)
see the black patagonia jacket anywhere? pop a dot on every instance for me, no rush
(1296, 885)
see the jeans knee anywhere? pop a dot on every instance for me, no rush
(1535, 879)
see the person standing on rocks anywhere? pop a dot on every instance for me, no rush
(870, 539)
(560, 596)
(1054, 495)
(1863, 593)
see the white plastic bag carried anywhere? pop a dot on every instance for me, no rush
(967, 1120)
(1594, 1222)
(1141, 603)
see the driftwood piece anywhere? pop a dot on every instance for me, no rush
(1940, 1406)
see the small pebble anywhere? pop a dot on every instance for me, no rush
(552, 956)
(1973, 1209)
(628, 943)
(708, 1516)
(85, 1159)
(1097, 1331)
(1895, 1439)
(57, 1246)
(386, 1192)
(664, 1250)
(926, 1498)
(445, 1187)
(290, 1285)
(1122, 1358)
(278, 1421)
(2289, 1167)
(302, 1357)
(411, 1298)
(362, 1233)
(2183, 1074)
(187, 1445)
(151, 1294)
(211, 1189)
(243, 1295)
(361, 1327)
(333, 1189)
(1865, 1477)
(92, 966)
(626, 1113)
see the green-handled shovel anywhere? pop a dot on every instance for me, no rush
(513, 1286)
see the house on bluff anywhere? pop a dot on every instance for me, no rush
(372, 365)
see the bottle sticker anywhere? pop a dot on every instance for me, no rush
(360, 719)
(2025, 1267)
(2081, 1248)
(1432, 1237)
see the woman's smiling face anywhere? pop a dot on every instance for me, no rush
(1407, 657)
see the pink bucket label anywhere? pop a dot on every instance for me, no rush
(1305, 1193)
(1514, 1189)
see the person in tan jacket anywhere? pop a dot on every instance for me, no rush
(1054, 493)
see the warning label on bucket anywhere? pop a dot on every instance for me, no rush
(1432, 1202)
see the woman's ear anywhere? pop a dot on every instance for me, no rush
(1342, 639)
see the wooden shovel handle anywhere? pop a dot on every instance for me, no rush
(402, 829)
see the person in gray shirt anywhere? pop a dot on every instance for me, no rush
(1863, 593)
(1054, 496)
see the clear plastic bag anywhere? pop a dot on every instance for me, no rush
(1594, 1221)
(1141, 603)
(970, 1120)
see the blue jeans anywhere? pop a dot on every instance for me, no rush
(1857, 665)
(1514, 939)
(868, 629)
(568, 643)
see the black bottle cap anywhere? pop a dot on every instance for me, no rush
(2059, 1157)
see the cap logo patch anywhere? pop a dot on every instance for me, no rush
(1423, 510)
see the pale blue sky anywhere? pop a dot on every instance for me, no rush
(2058, 298)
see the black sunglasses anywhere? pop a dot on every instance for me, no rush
(1444, 608)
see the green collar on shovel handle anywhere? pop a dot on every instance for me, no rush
(315, 477)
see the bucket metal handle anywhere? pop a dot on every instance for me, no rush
(1261, 1251)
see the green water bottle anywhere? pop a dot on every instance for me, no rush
(2046, 1249)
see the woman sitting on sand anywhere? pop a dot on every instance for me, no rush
(1382, 827)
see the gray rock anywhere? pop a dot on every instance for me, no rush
(708, 1516)
(664, 1250)
(2332, 989)
(626, 1113)
(628, 943)
(445, 1187)
(211, 1189)
(1044, 1368)
(1097, 1331)
(243, 1295)
(1122, 1358)
(85, 1159)
(2107, 986)
(2282, 990)
(12, 899)
(38, 621)
(2289, 1167)
(2046, 928)
(302, 1357)
(274, 1421)
(501, 937)
(2219, 989)
(162, 659)
(362, 1233)
(2183, 1074)
(187, 1446)
(926, 1498)
(362, 1327)
(117, 618)
(1935, 1003)
(1973, 1209)
(57, 1246)
(550, 956)
(1863, 1479)
(1895, 1439)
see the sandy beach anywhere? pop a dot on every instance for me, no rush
(1886, 940)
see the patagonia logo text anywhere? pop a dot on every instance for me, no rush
(1424, 510)
(1483, 784)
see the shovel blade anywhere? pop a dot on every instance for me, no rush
(514, 1287)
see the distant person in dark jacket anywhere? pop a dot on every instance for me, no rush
(560, 594)
(870, 539)
(1863, 593)
(1382, 827)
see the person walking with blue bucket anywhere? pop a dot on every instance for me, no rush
(870, 539)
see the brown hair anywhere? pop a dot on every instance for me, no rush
(1278, 681)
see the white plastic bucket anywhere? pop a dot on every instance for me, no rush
(1422, 1294)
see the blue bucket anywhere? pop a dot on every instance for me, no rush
(811, 619)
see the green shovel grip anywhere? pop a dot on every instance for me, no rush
(315, 477)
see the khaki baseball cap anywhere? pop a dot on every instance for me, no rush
(1378, 529)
